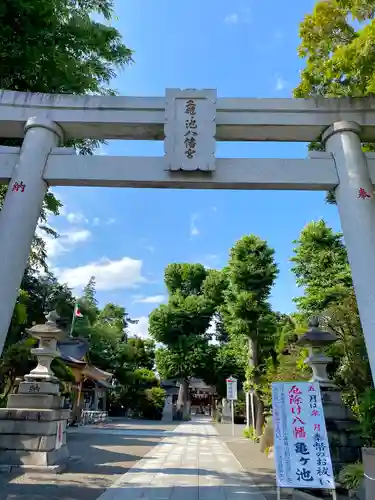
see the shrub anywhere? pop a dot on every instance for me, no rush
(152, 403)
(250, 433)
(351, 476)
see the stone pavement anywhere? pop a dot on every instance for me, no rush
(101, 454)
(129, 460)
(257, 464)
(191, 463)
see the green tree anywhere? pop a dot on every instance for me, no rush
(88, 305)
(45, 294)
(58, 46)
(226, 360)
(182, 324)
(337, 43)
(251, 274)
(143, 352)
(286, 360)
(214, 289)
(321, 267)
(339, 54)
(117, 317)
(39, 294)
(89, 293)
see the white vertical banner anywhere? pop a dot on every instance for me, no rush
(301, 450)
(231, 389)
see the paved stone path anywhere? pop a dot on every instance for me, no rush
(191, 463)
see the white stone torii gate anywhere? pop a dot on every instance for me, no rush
(189, 121)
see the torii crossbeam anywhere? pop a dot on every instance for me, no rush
(190, 122)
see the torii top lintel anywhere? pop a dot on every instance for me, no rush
(144, 118)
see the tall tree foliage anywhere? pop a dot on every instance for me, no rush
(251, 273)
(337, 44)
(105, 333)
(58, 46)
(182, 324)
(321, 268)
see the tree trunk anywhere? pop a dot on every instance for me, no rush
(259, 406)
(260, 416)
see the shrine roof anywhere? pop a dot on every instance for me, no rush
(73, 350)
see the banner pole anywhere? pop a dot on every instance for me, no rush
(232, 404)
(278, 489)
(72, 325)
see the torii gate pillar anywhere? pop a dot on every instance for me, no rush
(356, 204)
(21, 211)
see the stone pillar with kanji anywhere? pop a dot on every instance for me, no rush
(33, 425)
(21, 210)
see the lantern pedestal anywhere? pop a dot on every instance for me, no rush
(33, 426)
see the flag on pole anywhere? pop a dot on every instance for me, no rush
(76, 314)
(77, 311)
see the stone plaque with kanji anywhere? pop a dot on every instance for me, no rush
(190, 129)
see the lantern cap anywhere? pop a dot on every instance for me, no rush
(49, 328)
(315, 337)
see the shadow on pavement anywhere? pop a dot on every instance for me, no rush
(136, 432)
(73, 490)
(97, 461)
(106, 454)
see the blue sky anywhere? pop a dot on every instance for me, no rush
(126, 237)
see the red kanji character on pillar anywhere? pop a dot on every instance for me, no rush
(363, 194)
(18, 186)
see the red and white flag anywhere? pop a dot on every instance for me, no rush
(77, 311)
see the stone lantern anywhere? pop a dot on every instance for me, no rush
(48, 335)
(33, 426)
(341, 425)
(317, 340)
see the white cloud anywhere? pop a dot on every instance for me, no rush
(140, 329)
(281, 84)
(154, 299)
(194, 231)
(76, 218)
(243, 16)
(96, 221)
(66, 242)
(232, 18)
(109, 274)
(62, 210)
